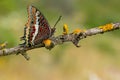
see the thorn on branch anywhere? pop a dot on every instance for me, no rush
(77, 38)
(78, 35)
(25, 56)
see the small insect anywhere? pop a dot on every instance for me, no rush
(37, 28)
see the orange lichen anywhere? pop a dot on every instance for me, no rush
(106, 27)
(47, 42)
(65, 29)
(77, 31)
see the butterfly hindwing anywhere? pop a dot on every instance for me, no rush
(37, 28)
(44, 30)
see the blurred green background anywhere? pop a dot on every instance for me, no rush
(97, 59)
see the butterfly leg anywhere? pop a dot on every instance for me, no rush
(23, 44)
(23, 38)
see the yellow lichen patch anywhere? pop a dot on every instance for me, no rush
(47, 42)
(3, 45)
(65, 29)
(78, 31)
(84, 30)
(106, 27)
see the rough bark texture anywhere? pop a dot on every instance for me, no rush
(71, 37)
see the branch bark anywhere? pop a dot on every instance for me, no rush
(71, 37)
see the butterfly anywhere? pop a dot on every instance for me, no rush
(37, 27)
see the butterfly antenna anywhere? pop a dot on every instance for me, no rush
(57, 21)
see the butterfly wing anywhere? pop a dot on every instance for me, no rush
(28, 27)
(43, 30)
(37, 28)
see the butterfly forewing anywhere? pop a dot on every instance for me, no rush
(37, 28)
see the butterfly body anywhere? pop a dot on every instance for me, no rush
(37, 28)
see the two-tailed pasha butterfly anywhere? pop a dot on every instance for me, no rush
(37, 28)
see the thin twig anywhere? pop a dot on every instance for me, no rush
(71, 37)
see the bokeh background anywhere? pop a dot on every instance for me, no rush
(97, 59)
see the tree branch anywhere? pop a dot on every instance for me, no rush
(73, 37)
